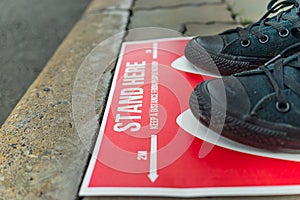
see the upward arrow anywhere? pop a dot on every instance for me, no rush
(153, 159)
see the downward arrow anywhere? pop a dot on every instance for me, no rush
(153, 177)
(153, 159)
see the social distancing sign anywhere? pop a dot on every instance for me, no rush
(149, 143)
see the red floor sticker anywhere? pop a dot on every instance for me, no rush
(149, 144)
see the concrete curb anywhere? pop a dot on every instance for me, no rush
(41, 155)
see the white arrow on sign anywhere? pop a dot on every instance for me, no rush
(153, 159)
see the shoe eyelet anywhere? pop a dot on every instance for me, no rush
(245, 43)
(284, 33)
(283, 107)
(264, 39)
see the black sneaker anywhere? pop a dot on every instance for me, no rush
(261, 108)
(243, 49)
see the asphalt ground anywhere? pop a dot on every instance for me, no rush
(30, 32)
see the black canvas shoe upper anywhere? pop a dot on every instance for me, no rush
(267, 37)
(262, 108)
(247, 48)
(273, 93)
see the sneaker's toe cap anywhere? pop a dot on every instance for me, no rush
(213, 44)
(228, 93)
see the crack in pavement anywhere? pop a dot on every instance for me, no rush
(177, 6)
(211, 22)
(104, 10)
(184, 26)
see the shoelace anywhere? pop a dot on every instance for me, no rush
(280, 81)
(264, 21)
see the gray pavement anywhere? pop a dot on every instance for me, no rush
(30, 32)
